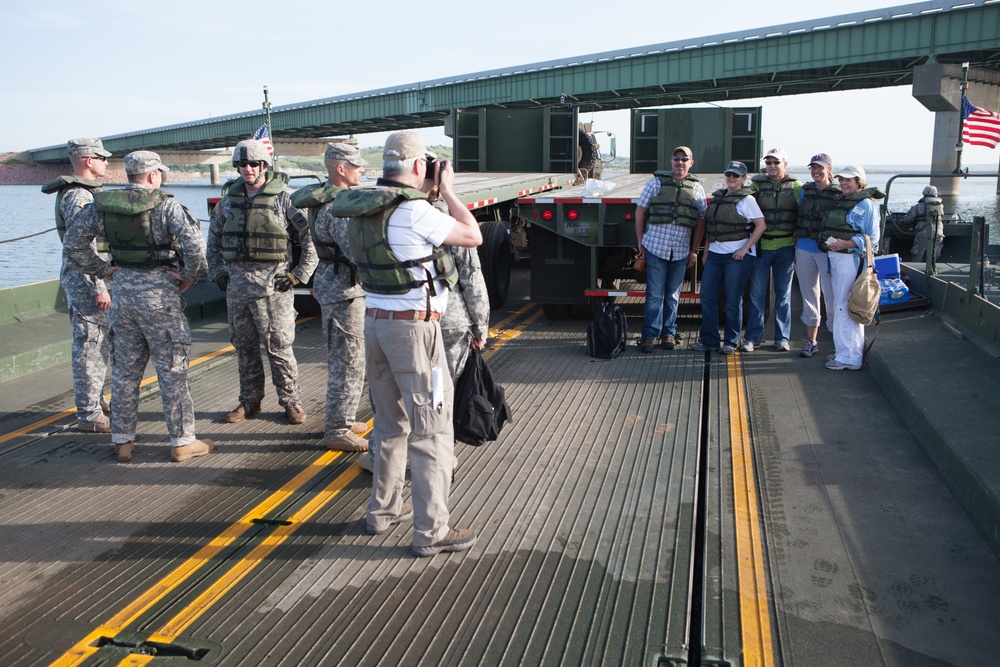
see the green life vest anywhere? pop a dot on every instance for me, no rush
(127, 226)
(812, 208)
(251, 232)
(722, 222)
(933, 211)
(61, 186)
(311, 198)
(778, 203)
(675, 203)
(835, 221)
(381, 271)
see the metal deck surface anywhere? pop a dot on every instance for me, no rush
(746, 496)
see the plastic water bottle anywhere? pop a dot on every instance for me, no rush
(955, 219)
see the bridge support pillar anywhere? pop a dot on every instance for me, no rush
(214, 171)
(938, 87)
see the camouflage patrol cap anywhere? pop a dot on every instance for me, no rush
(345, 152)
(142, 162)
(251, 150)
(86, 146)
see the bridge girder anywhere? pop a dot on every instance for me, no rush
(857, 51)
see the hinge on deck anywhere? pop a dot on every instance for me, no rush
(158, 649)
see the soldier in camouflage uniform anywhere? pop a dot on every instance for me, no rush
(248, 258)
(158, 253)
(928, 212)
(466, 322)
(338, 290)
(89, 298)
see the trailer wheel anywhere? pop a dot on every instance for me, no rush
(496, 256)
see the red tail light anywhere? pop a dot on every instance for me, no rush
(572, 214)
(547, 214)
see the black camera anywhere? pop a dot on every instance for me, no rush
(431, 166)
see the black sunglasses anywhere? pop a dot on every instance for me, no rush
(730, 174)
(250, 163)
(677, 158)
(98, 157)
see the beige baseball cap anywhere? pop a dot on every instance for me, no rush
(403, 145)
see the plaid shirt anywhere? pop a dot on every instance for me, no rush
(670, 242)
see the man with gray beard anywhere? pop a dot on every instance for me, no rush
(338, 290)
(158, 252)
(89, 298)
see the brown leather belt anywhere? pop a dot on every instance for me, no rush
(380, 314)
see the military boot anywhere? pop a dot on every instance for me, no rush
(99, 425)
(295, 414)
(346, 441)
(191, 450)
(123, 451)
(245, 410)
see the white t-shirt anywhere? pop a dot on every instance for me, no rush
(749, 209)
(415, 228)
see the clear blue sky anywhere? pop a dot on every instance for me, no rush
(102, 67)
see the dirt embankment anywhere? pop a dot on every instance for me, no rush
(24, 174)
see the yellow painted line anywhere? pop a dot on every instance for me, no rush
(84, 649)
(755, 616)
(185, 617)
(173, 628)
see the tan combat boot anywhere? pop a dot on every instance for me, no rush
(295, 414)
(346, 441)
(99, 425)
(123, 452)
(191, 450)
(243, 411)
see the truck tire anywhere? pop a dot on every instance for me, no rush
(496, 256)
(589, 155)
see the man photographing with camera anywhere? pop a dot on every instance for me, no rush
(396, 238)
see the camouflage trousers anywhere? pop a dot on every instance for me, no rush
(456, 350)
(92, 343)
(163, 335)
(344, 333)
(270, 320)
(919, 251)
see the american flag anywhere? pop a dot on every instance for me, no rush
(982, 126)
(264, 137)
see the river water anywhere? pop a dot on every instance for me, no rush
(26, 210)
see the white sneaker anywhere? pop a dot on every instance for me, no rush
(727, 349)
(746, 346)
(782, 346)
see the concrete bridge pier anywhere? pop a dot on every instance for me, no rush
(214, 172)
(938, 87)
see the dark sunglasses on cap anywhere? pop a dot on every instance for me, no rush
(250, 163)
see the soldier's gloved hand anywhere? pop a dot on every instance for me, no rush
(222, 281)
(285, 282)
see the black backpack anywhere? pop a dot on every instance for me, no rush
(481, 408)
(607, 333)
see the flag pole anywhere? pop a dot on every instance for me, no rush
(960, 146)
(267, 121)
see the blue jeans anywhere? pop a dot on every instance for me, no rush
(664, 278)
(780, 262)
(722, 272)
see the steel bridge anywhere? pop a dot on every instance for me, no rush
(871, 49)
